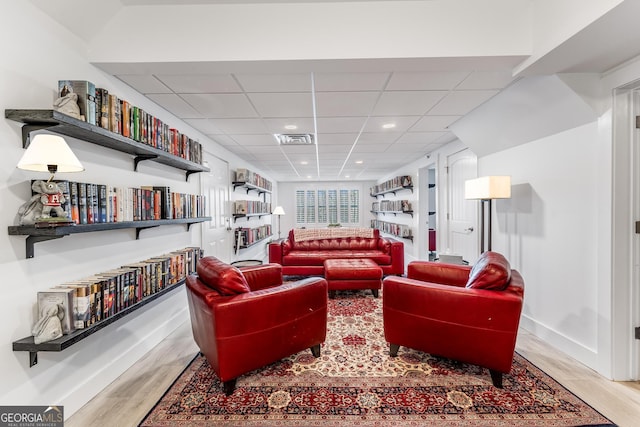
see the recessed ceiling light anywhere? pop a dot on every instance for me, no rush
(388, 126)
(347, 176)
(309, 176)
(304, 162)
(359, 162)
(290, 127)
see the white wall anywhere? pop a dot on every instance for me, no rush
(37, 54)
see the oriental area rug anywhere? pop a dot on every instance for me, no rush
(356, 383)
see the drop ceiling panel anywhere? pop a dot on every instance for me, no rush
(461, 102)
(200, 83)
(144, 83)
(282, 104)
(407, 103)
(487, 80)
(223, 139)
(371, 148)
(400, 124)
(277, 125)
(337, 138)
(419, 138)
(175, 105)
(255, 139)
(426, 81)
(347, 82)
(345, 104)
(206, 126)
(221, 105)
(340, 124)
(294, 82)
(378, 138)
(433, 123)
(241, 126)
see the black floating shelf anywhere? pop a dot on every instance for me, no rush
(252, 244)
(57, 122)
(36, 235)
(394, 213)
(249, 216)
(249, 187)
(392, 190)
(65, 341)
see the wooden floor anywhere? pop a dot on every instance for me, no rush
(133, 394)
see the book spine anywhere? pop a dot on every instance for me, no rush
(75, 208)
(82, 203)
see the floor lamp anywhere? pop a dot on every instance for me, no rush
(486, 189)
(278, 211)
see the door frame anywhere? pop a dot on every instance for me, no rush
(422, 214)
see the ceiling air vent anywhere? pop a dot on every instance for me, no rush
(294, 138)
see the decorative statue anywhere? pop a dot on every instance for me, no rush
(48, 199)
(68, 104)
(49, 326)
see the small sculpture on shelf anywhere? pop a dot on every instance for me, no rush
(67, 103)
(49, 325)
(48, 199)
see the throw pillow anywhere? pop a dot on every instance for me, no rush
(492, 271)
(221, 277)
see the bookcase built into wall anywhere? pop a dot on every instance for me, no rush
(57, 122)
(246, 209)
(394, 206)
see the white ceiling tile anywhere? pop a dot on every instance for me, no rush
(222, 105)
(282, 104)
(487, 80)
(223, 139)
(433, 123)
(378, 138)
(348, 82)
(337, 138)
(241, 126)
(407, 103)
(200, 83)
(206, 126)
(295, 82)
(345, 104)
(255, 139)
(426, 81)
(401, 123)
(370, 148)
(260, 149)
(175, 105)
(277, 125)
(419, 138)
(407, 149)
(461, 102)
(144, 83)
(340, 124)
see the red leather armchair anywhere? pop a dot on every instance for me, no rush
(244, 319)
(470, 314)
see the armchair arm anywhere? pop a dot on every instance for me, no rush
(436, 272)
(261, 310)
(262, 276)
(395, 249)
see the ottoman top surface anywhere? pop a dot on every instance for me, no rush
(357, 268)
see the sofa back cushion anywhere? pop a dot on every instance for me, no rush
(492, 271)
(221, 277)
(336, 243)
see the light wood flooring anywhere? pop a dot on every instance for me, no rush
(127, 400)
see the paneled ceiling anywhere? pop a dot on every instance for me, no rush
(364, 124)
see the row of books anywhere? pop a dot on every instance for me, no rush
(106, 110)
(392, 184)
(250, 207)
(246, 237)
(88, 203)
(399, 230)
(92, 299)
(391, 206)
(246, 176)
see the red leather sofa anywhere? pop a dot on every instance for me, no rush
(469, 314)
(244, 319)
(307, 257)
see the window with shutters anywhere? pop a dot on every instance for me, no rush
(321, 207)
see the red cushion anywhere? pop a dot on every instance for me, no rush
(222, 277)
(491, 271)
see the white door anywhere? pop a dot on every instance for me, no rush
(216, 236)
(462, 224)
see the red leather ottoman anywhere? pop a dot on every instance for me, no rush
(348, 274)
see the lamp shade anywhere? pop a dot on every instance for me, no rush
(278, 211)
(46, 152)
(488, 188)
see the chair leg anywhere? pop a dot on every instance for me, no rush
(332, 294)
(229, 386)
(393, 350)
(315, 350)
(496, 378)
(375, 293)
